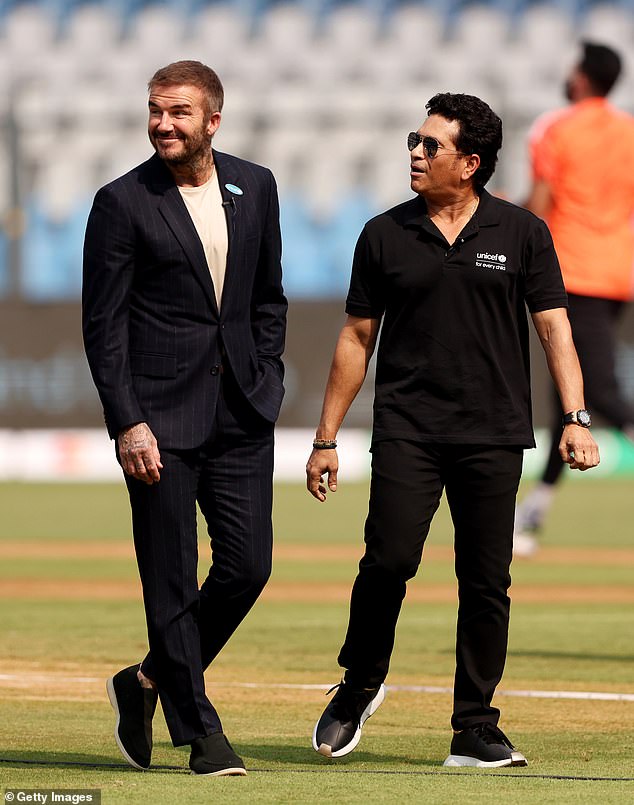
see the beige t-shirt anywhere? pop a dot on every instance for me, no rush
(204, 204)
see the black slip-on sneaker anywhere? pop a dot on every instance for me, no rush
(134, 707)
(213, 755)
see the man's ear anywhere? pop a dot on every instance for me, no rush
(214, 122)
(471, 166)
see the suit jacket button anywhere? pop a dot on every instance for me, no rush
(215, 369)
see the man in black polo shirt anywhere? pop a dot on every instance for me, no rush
(449, 274)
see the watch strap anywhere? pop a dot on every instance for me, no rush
(579, 417)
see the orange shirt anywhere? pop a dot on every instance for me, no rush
(586, 155)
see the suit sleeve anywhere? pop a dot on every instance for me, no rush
(269, 305)
(108, 272)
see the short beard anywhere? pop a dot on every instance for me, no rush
(196, 154)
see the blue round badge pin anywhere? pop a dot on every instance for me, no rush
(232, 188)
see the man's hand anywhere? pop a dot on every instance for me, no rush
(578, 449)
(139, 454)
(320, 462)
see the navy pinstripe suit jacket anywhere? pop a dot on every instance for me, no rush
(153, 333)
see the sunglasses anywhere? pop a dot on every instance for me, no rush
(430, 144)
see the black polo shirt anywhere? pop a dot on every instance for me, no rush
(453, 357)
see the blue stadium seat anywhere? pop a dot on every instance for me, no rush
(52, 253)
(306, 273)
(340, 236)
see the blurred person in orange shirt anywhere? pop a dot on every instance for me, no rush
(583, 187)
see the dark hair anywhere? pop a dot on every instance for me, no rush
(480, 129)
(601, 65)
(195, 74)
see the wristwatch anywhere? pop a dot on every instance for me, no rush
(580, 417)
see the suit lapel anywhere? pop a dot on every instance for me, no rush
(230, 174)
(173, 209)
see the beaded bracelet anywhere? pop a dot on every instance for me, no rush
(324, 444)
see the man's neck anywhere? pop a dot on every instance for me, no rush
(453, 209)
(451, 216)
(195, 173)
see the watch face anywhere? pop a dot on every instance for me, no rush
(584, 418)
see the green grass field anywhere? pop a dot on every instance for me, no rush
(72, 615)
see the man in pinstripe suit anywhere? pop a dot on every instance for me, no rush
(184, 320)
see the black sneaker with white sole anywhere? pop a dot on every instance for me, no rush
(213, 755)
(338, 731)
(484, 746)
(134, 707)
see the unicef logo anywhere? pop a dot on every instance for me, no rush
(502, 258)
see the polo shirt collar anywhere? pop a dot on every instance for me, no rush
(487, 214)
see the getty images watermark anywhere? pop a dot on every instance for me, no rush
(46, 796)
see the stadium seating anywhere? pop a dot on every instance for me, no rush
(322, 91)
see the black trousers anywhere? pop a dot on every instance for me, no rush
(407, 483)
(231, 479)
(593, 322)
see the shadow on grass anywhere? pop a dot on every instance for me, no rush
(284, 755)
(276, 756)
(19, 757)
(361, 763)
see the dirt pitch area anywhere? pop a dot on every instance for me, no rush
(306, 590)
(70, 682)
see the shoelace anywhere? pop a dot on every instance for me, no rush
(348, 703)
(491, 734)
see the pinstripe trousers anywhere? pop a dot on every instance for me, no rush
(230, 477)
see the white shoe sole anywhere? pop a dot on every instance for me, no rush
(115, 706)
(372, 707)
(230, 772)
(516, 759)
